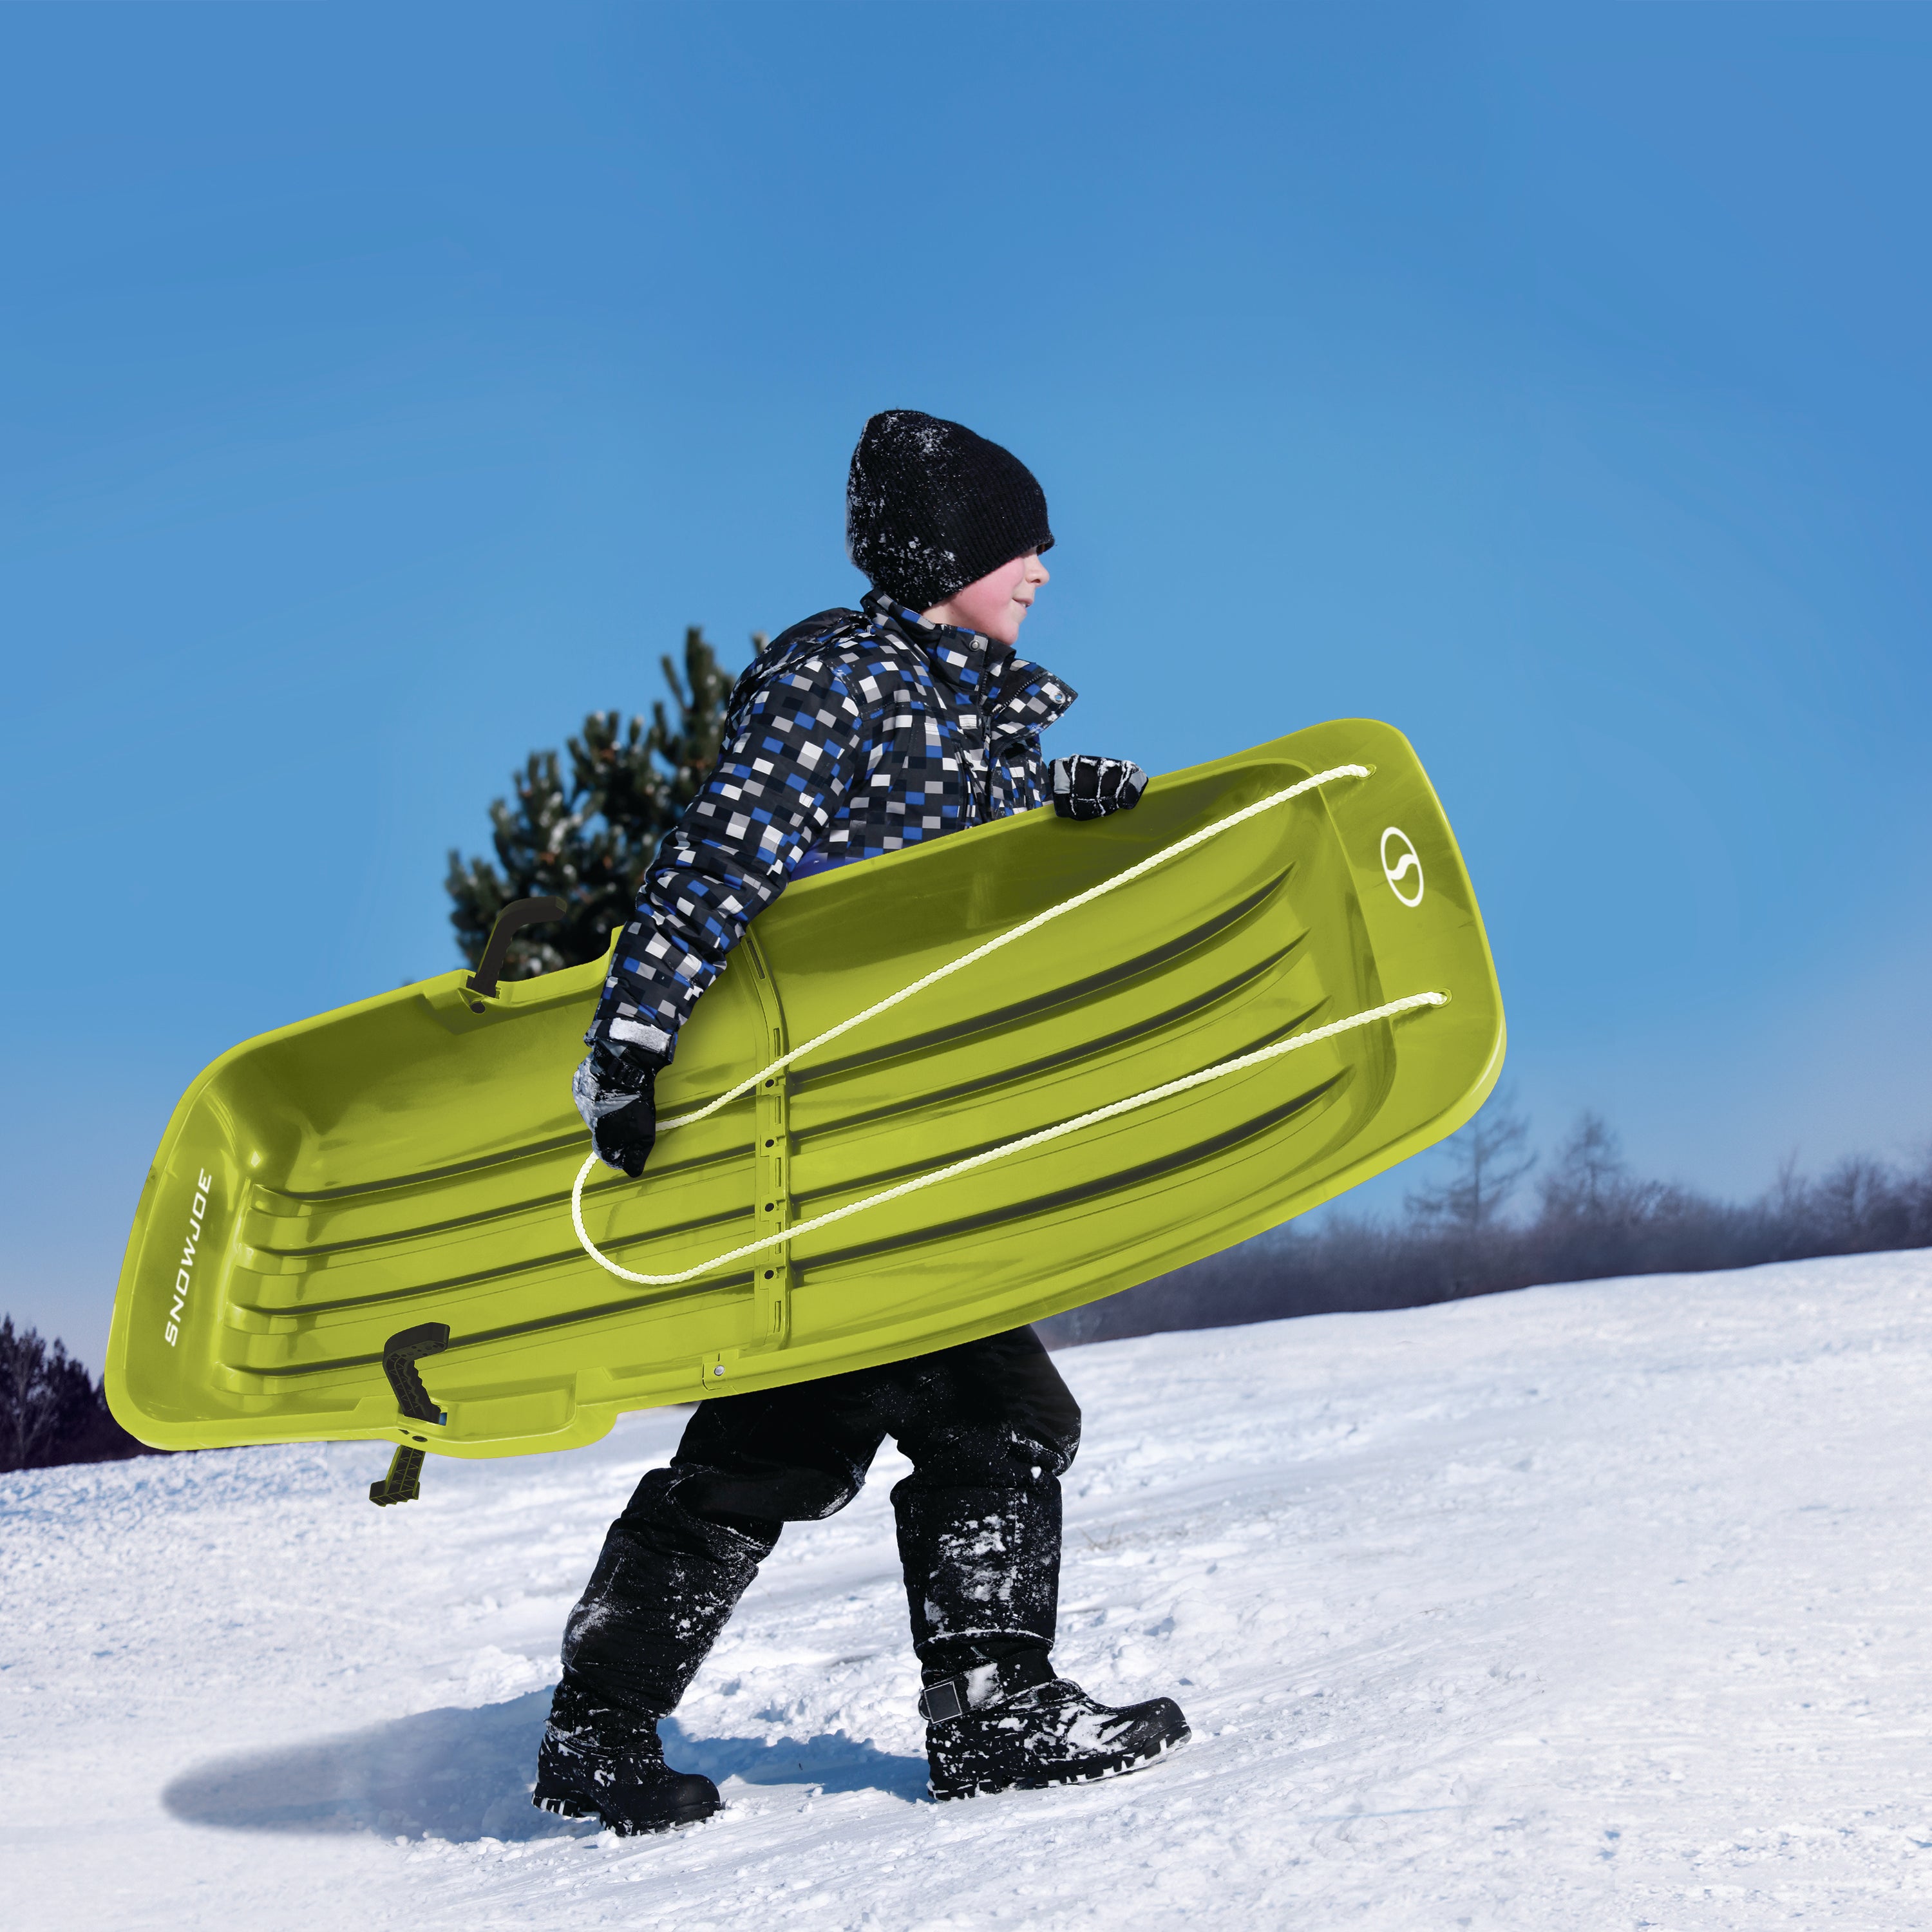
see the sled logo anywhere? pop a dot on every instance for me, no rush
(184, 1274)
(1399, 858)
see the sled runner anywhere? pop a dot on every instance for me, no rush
(360, 1226)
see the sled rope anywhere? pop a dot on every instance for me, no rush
(1000, 1153)
(1239, 1064)
(1020, 931)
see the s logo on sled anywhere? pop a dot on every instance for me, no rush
(1399, 864)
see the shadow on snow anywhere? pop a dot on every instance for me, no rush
(463, 1775)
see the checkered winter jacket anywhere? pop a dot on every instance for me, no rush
(854, 733)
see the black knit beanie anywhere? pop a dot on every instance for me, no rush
(931, 507)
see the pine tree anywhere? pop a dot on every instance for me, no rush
(689, 747)
(587, 839)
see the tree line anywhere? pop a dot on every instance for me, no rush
(51, 1409)
(1590, 1219)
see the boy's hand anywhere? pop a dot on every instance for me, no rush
(614, 1089)
(1089, 787)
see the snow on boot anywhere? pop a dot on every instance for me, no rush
(1015, 1726)
(628, 1785)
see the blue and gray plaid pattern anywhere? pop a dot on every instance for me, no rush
(855, 733)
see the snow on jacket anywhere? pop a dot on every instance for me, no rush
(854, 733)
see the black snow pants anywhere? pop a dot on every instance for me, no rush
(989, 1428)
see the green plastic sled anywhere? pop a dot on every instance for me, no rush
(407, 1162)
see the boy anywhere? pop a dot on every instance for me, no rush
(854, 733)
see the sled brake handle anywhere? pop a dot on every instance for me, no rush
(400, 1354)
(515, 916)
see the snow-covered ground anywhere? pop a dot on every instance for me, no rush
(1588, 1607)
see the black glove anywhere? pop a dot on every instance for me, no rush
(614, 1089)
(1089, 787)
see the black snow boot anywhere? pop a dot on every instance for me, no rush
(1014, 1726)
(626, 1783)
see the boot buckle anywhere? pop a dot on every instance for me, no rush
(983, 1685)
(940, 1703)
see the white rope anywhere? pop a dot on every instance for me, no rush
(1237, 1065)
(1117, 1108)
(1033, 925)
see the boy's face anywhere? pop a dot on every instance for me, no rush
(997, 604)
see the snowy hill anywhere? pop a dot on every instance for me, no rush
(1586, 1607)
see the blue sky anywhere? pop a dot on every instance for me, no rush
(382, 389)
